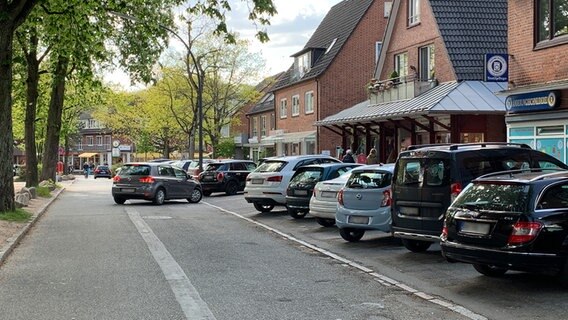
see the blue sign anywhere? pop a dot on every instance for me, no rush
(534, 101)
(496, 67)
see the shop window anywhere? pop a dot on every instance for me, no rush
(310, 147)
(471, 137)
(549, 130)
(551, 21)
(521, 132)
(552, 146)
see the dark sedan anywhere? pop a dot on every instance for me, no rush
(102, 172)
(156, 182)
(301, 186)
(227, 176)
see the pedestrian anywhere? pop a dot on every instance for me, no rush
(86, 169)
(361, 158)
(372, 157)
(348, 157)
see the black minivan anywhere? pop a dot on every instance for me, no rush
(428, 178)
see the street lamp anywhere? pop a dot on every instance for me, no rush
(200, 78)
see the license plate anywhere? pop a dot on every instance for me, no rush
(301, 192)
(328, 194)
(208, 178)
(475, 228)
(358, 220)
(257, 181)
(127, 190)
(409, 211)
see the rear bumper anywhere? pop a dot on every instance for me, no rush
(379, 219)
(515, 260)
(263, 201)
(264, 196)
(323, 209)
(413, 234)
(145, 193)
(212, 186)
(298, 202)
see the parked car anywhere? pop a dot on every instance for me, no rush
(184, 164)
(364, 203)
(516, 220)
(156, 182)
(302, 183)
(102, 171)
(227, 176)
(266, 185)
(193, 168)
(427, 179)
(323, 203)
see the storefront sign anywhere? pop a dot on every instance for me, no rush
(534, 101)
(496, 67)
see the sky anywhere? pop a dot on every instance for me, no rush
(289, 30)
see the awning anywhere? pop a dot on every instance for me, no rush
(87, 154)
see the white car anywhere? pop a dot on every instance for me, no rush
(323, 203)
(266, 186)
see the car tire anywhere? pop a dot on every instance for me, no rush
(351, 235)
(119, 200)
(296, 214)
(489, 270)
(196, 196)
(325, 222)
(159, 197)
(264, 208)
(232, 188)
(416, 245)
(207, 193)
(95, 178)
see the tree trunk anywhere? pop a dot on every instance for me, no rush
(51, 147)
(7, 140)
(32, 83)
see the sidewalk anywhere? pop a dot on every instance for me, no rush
(11, 233)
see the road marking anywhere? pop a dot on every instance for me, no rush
(440, 302)
(187, 296)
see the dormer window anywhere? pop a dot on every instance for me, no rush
(303, 63)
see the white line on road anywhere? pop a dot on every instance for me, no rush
(187, 296)
(449, 305)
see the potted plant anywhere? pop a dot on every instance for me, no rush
(394, 77)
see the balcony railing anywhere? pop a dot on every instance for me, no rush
(401, 88)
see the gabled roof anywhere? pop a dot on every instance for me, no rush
(469, 30)
(338, 24)
(266, 101)
(450, 97)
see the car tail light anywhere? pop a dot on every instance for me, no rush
(444, 234)
(455, 189)
(387, 199)
(147, 180)
(220, 176)
(116, 179)
(97, 171)
(274, 179)
(340, 197)
(524, 232)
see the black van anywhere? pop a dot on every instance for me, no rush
(427, 178)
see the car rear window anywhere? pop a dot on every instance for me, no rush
(135, 170)
(423, 171)
(494, 197)
(369, 179)
(310, 175)
(216, 166)
(271, 166)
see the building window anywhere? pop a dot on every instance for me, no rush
(388, 7)
(226, 131)
(295, 105)
(263, 126)
(283, 108)
(303, 64)
(272, 121)
(552, 19)
(401, 64)
(254, 127)
(378, 47)
(309, 102)
(426, 56)
(413, 12)
(89, 140)
(99, 140)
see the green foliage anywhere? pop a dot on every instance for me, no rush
(19, 215)
(225, 148)
(43, 192)
(394, 75)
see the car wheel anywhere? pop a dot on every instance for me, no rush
(207, 193)
(351, 235)
(489, 270)
(263, 207)
(296, 214)
(416, 245)
(119, 200)
(325, 222)
(159, 197)
(231, 188)
(196, 196)
(95, 177)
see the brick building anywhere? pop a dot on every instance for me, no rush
(537, 94)
(328, 74)
(428, 85)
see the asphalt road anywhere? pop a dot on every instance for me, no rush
(88, 258)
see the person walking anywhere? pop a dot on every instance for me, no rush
(372, 157)
(86, 169)
(348, 157)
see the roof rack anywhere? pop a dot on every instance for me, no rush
(485, 144)
(498, 173)
(559, 172)
(419, 146)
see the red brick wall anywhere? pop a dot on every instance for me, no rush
(343, 83)
(526, 65)
(405, 39)
(303, 122)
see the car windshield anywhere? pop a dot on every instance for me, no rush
(311, 175)
(369, 179)
(494, 197)
(135, 170)
(271, 166)
(102, 167)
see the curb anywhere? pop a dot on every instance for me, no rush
(13, 241)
